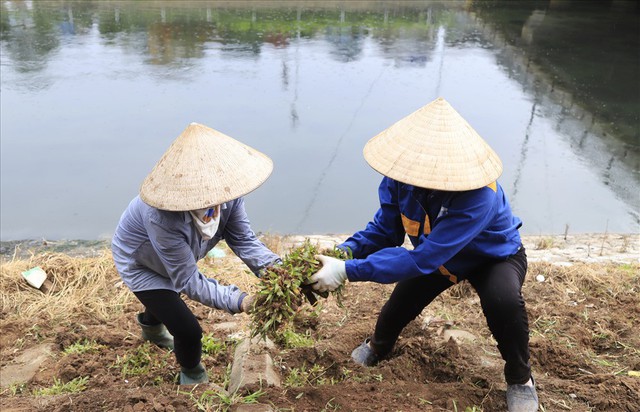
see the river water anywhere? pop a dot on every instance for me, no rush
(93, 92)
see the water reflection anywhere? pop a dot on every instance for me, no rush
(572, 117)
(585, 49)
(554, 90)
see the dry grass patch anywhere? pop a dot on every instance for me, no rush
(87, 286)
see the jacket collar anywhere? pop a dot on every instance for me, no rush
(188, 218)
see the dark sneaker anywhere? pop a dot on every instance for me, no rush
(522, 398)
(364, 354)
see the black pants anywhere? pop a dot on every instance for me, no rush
(165, 306)
(499, 288)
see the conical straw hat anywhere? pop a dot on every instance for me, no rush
(434, 148)
(202, 168)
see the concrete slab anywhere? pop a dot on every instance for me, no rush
(24, 367)
(252, 367)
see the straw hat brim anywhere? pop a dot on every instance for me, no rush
(434, 148)
(204, 167)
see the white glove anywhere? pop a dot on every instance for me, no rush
(332, 274)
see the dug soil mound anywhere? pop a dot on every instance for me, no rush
(77, 347)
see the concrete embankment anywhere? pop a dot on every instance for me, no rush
(589, 248)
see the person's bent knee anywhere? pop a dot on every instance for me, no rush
(189, 334)
(193, 335)
(502, 306)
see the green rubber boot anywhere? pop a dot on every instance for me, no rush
(194, 375)
(157, 334)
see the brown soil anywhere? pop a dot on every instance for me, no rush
(583, 318)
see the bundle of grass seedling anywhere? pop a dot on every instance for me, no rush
(284, 289)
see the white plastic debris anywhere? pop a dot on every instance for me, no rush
(35, 276)
(216, 253)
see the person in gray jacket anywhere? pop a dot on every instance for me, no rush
(190, 201)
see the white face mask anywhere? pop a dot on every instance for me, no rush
(206, 221)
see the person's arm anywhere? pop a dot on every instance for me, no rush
(244, 243)
(468, 215)
(167, 236)
(385, 230)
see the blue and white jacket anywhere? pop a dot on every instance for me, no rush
(158, 249)
(453, 233)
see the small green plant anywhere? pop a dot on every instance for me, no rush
(212, 345)
(84, 346)
(283, 288)
(295, 379)
(227, 375)
(604, 335)
(302, 376)
(605, 363)
(74, 386)
(235, 399)
(329, 406)
(292, 339)
(212, 400)
(544, 327)
(19, 343)
(17, 388)
(629, 269)
(140, 362)
(346, 372)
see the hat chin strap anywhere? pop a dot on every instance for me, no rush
(209, 229)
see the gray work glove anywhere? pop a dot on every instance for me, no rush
(248, 304)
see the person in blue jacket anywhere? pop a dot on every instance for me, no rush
(190, 201)
(440, 189)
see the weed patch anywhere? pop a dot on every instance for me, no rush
(283, 289)
(74, 386)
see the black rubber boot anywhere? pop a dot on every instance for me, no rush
(157, 334)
